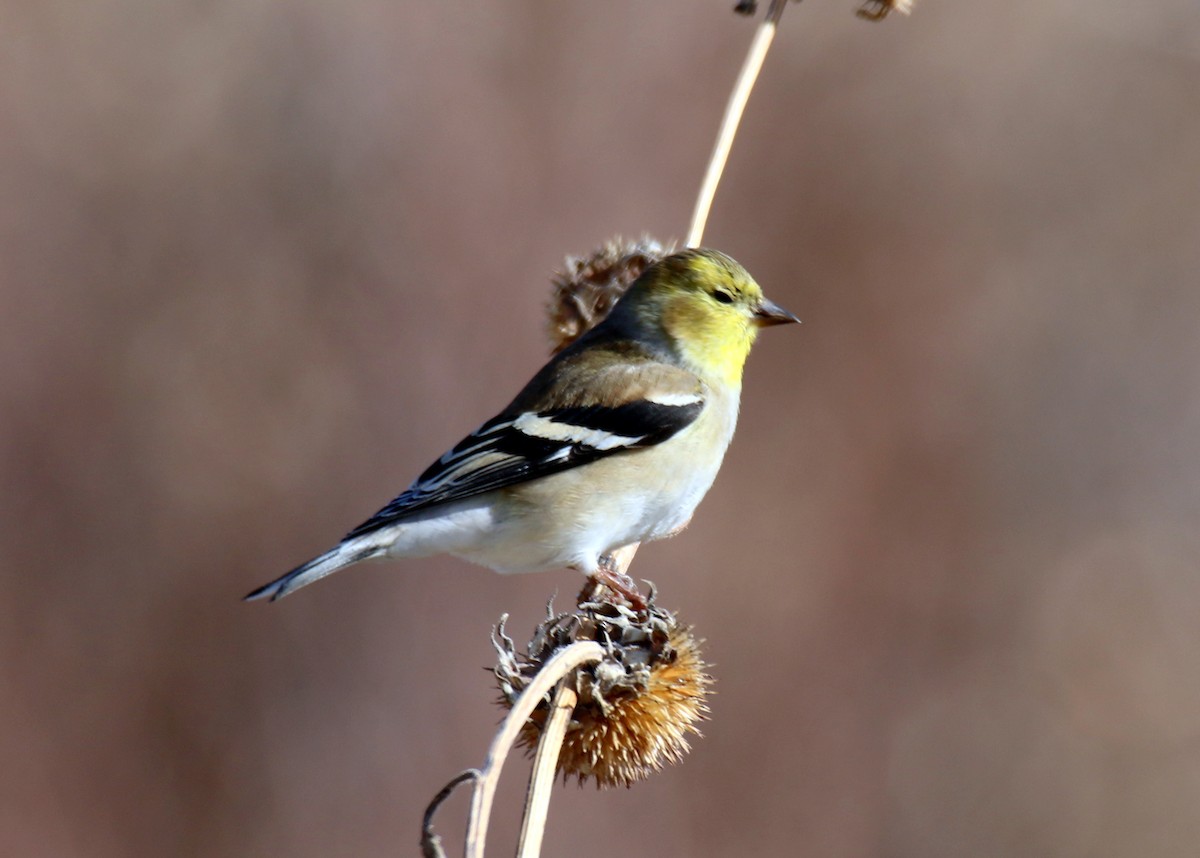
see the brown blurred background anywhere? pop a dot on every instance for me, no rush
(262, 260)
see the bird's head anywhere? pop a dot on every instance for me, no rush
(705, 307)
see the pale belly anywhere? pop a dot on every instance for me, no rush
(572, 518)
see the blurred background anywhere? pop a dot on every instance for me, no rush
(261, 261)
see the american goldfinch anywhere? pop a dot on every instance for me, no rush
(614, 441)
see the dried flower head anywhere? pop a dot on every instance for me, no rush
(636, 707)
(589, 286)
(877, 10)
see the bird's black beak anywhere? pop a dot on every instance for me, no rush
(769, 313)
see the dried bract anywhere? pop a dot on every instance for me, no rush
(590, 285)
(636, 708)
(877, 10)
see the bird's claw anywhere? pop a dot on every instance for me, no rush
(618, 582)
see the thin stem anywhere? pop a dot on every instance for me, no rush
(733, 116)
(623, 556)
(545, 765)
(431, 844)
(566, 660)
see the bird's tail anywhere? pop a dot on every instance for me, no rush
(349, 552)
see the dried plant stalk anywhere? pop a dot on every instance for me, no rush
(545, 766)
(566, 660)
(431, 842)
(732, 118)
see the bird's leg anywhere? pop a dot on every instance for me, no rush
(609, 574)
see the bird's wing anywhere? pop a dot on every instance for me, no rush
(525, 443)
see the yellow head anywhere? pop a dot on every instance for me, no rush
(703, 306)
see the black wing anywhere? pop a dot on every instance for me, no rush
(514, 449)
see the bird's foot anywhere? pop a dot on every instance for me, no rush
(608, 576)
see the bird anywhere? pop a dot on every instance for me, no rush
(614, 441)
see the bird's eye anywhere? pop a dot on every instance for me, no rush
(722, 296)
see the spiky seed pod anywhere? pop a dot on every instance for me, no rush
(636, 708)
(588, 287)
(877, 10)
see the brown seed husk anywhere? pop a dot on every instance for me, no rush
(636, 708)
(588, 287)
(877, 10)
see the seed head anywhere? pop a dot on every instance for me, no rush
(637, 707)
(589, 286)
